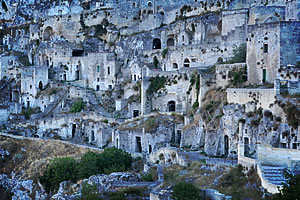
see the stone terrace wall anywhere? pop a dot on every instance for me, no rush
(262, 97)
(268, 155)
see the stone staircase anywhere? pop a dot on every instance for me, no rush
(274, 174)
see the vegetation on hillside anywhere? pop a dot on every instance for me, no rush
(77, 106)
(185, 191)
(67, 169)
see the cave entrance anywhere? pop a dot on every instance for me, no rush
(226, 141)
(138, 145)
(73, 130)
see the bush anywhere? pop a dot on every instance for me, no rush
(195, 106)
(77, 106)
(155, 62)
(291, 189)
(59, 169)
(239, 54)
(115, 160)
(89, 165)
(164, 53)
(67, 169)
(185, 191)
(156, 84)
(89, 192)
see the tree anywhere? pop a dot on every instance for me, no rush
(239, 54)
(89, 165)
(115, 160)
(185, 191)
(291, 189)
(59, 169)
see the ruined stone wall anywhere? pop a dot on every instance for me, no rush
(266, 14)
(222, 73)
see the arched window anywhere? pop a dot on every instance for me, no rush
(220, 60)
(92, 136)
(40, 85)
(156, 44)
(171, 106)
(170, 42)
(186, 62)
(48, 33)
(150, 4)
(175, 66)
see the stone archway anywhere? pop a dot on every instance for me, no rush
(48, 32)
(172, 106)
(156, 44)
(170, 42)
(186, 62)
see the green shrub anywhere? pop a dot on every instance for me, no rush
(67, 169)
(59, 169)
(156, 84)
(185, 191)
(155, 62)
(151, 124)
(77, 106)
(195, 106)
(164, 52)
(239, 54)
(89, 165)
(115, 160)
(89, 192)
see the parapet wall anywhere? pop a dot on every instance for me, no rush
(262, 97)
(268, 155)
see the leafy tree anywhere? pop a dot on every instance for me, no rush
(59, 169)
(239, 54)
(115, 160)
(291, 189)
(89, 165)
(185, 191)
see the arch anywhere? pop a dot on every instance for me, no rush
(48, 32)
(220, 60)
(172, 106)
(149, 4)
(40, 85)
(170, 42)
(226, 145)
(156, 44)
(15, 96)
(186, 62)
(271, 19)
(175, 66)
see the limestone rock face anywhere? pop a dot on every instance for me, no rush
(229, 123)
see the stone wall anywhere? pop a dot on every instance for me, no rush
(263, 52)
(262, 97)
(268, 155)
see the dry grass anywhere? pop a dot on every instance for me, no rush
(32, 156)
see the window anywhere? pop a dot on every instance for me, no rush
(266, 48)
(30, 86)
(108, 70)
